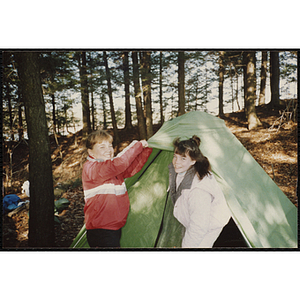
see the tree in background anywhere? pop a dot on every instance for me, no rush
(111, 101)
(8, 94)
(230, 69)
(181, 83)
(288, 72)
(12, 115)
(20, 115)
(11, 94)
(221, 81)
(250, 91)
(159, 84)
(138, 97)
(92, 75)
(146, 85)
(263, 77)
(86, 119)
(161, 106)
(169, 87)
(57, 75)
(60, 79)
(274, 78)
(63, 119)
(128, 124)
(97, 89)
(197, 80)
(104, 110)
(41, 212)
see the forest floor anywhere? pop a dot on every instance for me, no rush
(273, 145)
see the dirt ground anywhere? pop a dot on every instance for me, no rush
(273, 145)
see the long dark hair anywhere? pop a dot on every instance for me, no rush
(191, 147)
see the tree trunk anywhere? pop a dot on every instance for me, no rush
(206, 88)
(53, 112)
(41, 212)
(102, 97)
(251, 116)
(138, 98)
(111, 101)
(231, 85)
(6, 81)
(93, 110)
(161, 108)
(237, 90)
(146, 82)
(221, 82)
(181, 84)
(274, 72)
(10, 112)
(65, 123)
(245, 80)
(263, 76)
(20, 121)
(84, 96)
(128, 124)
(142, 62)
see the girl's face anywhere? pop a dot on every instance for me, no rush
(182, 163)
(103, 150)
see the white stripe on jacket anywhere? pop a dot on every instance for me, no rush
(104, 189)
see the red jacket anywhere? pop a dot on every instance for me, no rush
(105, 194)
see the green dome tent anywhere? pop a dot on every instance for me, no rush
(265, 217)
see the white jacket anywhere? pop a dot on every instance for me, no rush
(203, 211)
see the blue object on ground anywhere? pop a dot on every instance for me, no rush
(10, 202)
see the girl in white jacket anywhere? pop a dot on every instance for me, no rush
(199, 203)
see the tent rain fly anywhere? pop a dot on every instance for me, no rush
(265, 217)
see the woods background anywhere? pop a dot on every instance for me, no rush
(43, 91)
(116, 89)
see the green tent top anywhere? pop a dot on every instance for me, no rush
(264, 215)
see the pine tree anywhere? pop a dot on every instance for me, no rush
(274, 78)
(146, 84)
(161, 106)
(181, 83)
(84, 95)
(138, 97)
(128, 124)
(111, 102)
(250, 97)
(41, 216)
(221, 82)
(263, 77)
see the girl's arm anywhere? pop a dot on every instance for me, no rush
(138, 163)
(116, 166)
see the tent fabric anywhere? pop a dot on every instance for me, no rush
(264, 215)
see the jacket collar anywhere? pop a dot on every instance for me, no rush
(91, 158)
(185, 184)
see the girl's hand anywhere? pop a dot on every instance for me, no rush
(144, 143)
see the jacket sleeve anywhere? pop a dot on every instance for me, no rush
(199, 210)
(138, 163)
(116, 166)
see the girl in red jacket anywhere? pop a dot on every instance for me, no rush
(106, 198)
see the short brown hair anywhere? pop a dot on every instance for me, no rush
(97, 137)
